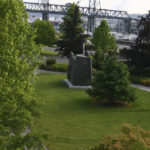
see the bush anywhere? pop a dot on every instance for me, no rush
(50, 61)
(135, 79)
(112, 83)
(55, 67)
(140, 80)
(145, 82)
(131, 138)
(60, 67)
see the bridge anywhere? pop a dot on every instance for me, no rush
(90, 12)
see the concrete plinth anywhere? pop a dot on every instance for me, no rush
(71, 86)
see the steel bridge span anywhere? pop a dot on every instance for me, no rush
(91, 13)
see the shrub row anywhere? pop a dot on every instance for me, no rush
(140, 80)
(51, 65)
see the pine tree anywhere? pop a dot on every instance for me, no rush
(104, 44)
(138, 55)
(111, 83)
(72, 31)
(18, 61)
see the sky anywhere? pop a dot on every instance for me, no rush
(131, 6)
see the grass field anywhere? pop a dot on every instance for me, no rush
(73, 122)
(48, 53)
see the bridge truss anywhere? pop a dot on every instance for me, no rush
(86, 11)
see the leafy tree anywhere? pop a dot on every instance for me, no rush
(45, 32)
(104, 44)
(138, 55)
(131, 138)
(72, 30)
(111, 83)
(18, 61)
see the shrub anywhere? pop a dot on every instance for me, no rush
(60, 67)
(112, 83)
(50, 61)
(140, 80)
(55, 67)
(135, 79)
(131, 138)
(145, 82)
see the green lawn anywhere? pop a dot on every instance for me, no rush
(73, 122)
(48, 53)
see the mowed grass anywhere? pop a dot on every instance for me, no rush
(74, 122)
(48, 53)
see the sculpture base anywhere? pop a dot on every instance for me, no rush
(71, 86)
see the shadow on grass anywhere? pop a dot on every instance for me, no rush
(51, 85)
(77, 100)
(87, 105)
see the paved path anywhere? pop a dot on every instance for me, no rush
(45, 71)
(59, 59)
(142, 87)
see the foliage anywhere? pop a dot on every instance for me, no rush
(140, 80)
(104, 44)
(61, 67)
(51, 61)
(138, 55)
(111, 83)
(18, 61)
(72, 30)
(135, 79)
(131, 138)
(45, 32)
(145, 82)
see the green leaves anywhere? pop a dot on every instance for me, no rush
(111, 83)
(72, 30)
(45, 32)
(104, 44)
(138, 55)
(18, 61)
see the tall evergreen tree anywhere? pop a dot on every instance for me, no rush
(72, 30)
(18, 61)
(138, 56)
(104, 44)
(111, 81)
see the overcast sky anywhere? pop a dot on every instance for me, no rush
(131, 6)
